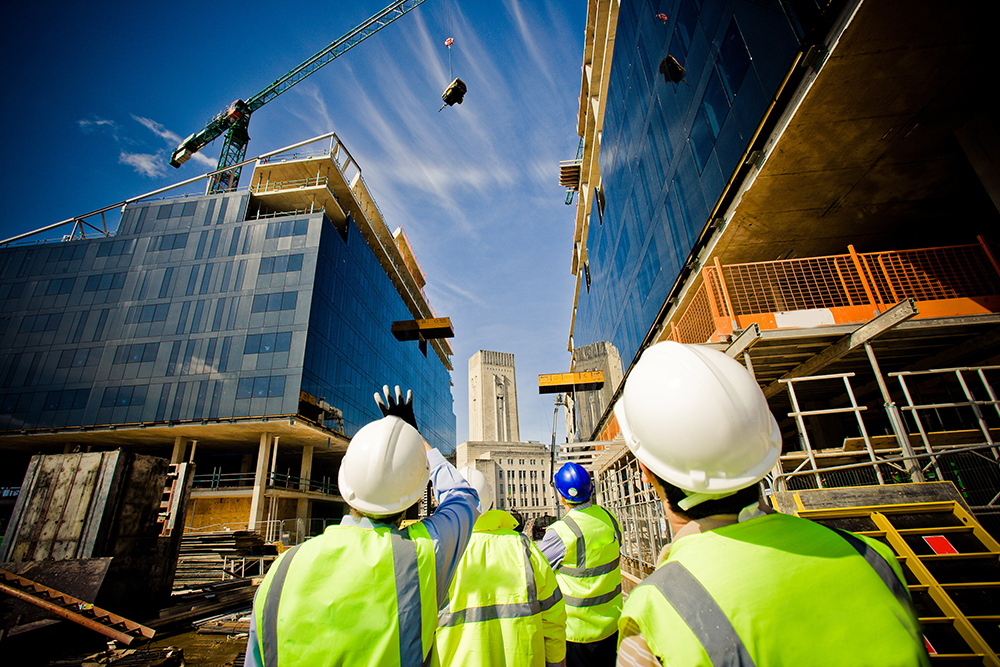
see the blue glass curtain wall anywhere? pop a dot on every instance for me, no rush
(668, 149)
(351, 352)
(192, 312)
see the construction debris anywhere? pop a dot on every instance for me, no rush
(161, 657)
(208, 601)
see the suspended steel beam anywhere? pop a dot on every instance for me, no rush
(438, 327)
(560, 382)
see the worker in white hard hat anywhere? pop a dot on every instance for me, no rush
(366, 592)
(584, 550)
(504, 606)
(738, 586)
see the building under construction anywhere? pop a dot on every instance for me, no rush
(811, 188)
(243, 331)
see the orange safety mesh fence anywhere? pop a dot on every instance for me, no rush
(797, 284)
(931, 274)
(834, 281)
(696, 325)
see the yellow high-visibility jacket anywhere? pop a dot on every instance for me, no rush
(590, 576)
(355, 596)
(776, 590)
(504, 606)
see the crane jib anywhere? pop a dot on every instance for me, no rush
(235, 124)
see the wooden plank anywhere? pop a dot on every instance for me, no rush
(866, 496)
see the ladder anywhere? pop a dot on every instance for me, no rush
(83, 613)
(952, 568)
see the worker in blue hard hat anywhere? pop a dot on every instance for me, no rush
(584, 549)
(738, 586)
(367, 591)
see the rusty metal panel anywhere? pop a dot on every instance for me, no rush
(80, 578)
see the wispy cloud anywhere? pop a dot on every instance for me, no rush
(88, 125)
(151, 165)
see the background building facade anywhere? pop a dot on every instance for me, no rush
(520, 474)
(493, 397)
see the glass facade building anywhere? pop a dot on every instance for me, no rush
(667, 150)
(197, 311)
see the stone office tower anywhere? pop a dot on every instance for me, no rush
(492, 397)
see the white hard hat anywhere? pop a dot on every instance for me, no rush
(477, 480)
(697, 419)
(385, 468)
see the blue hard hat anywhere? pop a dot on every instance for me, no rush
(573, 483)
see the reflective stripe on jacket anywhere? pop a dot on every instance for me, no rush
(776, 590)
(352, 596)
(504, 606)
(590, 575)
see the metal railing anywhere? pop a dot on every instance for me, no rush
(217, 480)
(294, 184)
(644, 526)
(968, 457)
(842, 289)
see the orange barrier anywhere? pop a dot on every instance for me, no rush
(838, 289)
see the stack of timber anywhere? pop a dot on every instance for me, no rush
(203, 556)
(207, 601)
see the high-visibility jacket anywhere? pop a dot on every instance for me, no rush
(590, 576)
(504, 606)
(351, 596)
(777, 590)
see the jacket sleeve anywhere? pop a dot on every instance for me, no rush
(450, 527)
(553, 608)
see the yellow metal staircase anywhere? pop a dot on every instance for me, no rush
(952, 568)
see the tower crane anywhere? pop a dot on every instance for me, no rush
(234, 121)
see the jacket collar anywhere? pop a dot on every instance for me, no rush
(494, 520)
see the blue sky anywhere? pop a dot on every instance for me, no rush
(98, 94)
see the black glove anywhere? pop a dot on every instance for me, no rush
(395, 406)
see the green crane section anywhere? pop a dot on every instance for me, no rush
(234, 121)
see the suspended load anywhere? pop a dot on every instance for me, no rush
(453, 94)
(671, 70)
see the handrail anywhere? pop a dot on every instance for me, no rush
(773, 482)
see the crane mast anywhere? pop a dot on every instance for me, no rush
(234, 121)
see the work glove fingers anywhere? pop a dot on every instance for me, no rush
(393, 404)
(382, 403)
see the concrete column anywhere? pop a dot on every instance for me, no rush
(260, 481)
(194, 446)
(303, 505)
(305, 472)
(180, 445)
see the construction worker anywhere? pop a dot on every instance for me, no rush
(366, 592)
(737, 586)
(584, 550)
(504, 606)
